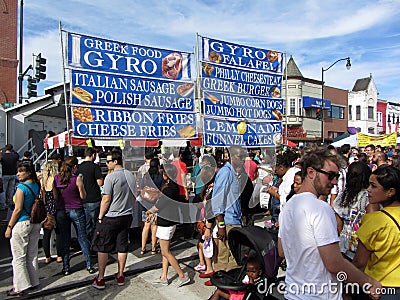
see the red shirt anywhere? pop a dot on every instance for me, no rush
(251, 168)
(181, 167)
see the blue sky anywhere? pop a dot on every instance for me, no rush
(316, 33)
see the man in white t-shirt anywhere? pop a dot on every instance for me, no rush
(308, 237)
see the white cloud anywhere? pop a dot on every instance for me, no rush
(315, 32)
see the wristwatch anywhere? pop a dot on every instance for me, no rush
(100, 219)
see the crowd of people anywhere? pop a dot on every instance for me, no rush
(334, 211)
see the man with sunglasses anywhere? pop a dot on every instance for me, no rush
(308, 237)
(115, 217)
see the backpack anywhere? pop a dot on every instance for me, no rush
(38, 213)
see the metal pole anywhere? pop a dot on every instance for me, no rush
(286, 100)
(322, 109)
(21, 34)
(348, 65)
(65, 89)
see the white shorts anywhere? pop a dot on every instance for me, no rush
(165, 233)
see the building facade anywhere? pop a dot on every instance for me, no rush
(8, 51)
(305, 108)
(392, 117)
(363, 105)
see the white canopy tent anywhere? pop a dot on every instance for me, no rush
(352, 140)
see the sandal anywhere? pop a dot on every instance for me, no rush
(13, 293)
(59, 259)
(48, 260)
(142, 252)
(154, 252)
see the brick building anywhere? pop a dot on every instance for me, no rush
(8, 50)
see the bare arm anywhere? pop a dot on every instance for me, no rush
(273, 191)
(339, 223)
(100, 182)
(335, 263)
(105, 203)
(184, 184)
(19, 204)
(280, 248)
(81, 188)
(361, 258)
(332, 200)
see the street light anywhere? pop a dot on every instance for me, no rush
(348, 66)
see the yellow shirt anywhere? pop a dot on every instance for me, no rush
(380, 235)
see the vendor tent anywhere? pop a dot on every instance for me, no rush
(61, 141)
(352, 140)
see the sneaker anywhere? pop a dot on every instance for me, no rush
(99, 284)
(183, 281)
(160, 281)
(91, 270)
(120, 280)
(200, 267)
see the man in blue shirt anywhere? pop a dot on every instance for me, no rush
(226, 203)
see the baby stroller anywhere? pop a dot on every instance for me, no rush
(245, 242)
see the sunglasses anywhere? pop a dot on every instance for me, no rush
(331, 175)
(108, 161)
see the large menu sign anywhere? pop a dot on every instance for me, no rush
(241, 87)
(122, 90)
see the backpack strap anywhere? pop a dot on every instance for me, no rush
(390, 216)
(33, 193)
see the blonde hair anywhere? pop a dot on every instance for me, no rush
(50, 169)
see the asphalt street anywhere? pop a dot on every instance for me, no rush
(141, 271)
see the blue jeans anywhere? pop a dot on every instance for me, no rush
(9, 187)
(91, 214)
(275, 206)
(2, 201)
(64, 219)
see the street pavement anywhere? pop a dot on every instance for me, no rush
(141, 271)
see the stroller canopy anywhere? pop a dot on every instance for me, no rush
(255, 239)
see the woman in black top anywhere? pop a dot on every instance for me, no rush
(154, 180)
(167, 218)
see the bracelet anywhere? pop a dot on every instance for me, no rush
(9, 226)
(209, 228)
(221, 226)
(221, 223)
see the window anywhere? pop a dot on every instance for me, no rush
(371, 130)
(370, 112)
(350, 113)
(292, 107)
(358, 112)
(379, 116)
(300, 108)
(336, 112)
